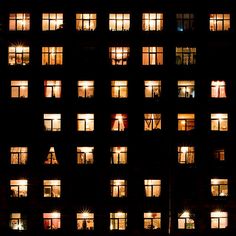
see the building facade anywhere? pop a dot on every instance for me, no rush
(117, 118)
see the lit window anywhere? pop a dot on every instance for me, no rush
(219, 122)
(52, 88)
(19, 155)
(186, 122)
(118, 188)
(52, 56)
(18, 221)
(218, 89)
(52, 188)
(119, 55)
(152, 88)
(152, 122)
(186, 89)
(85, 155)
(186, 220)
(19, 21)
(152, 220)
(52, 221)
(219, 187)
(185, 22)
(185, 56)
(52, 21)
(52, 122)
(19, 188)
(119, 22)
(119, 122)
(186, 154)
(152, 22)
(152, 187)
(18, 55)
(85, 89)
(152, 56)
(219, 154)
(219, 220)
(86, 21)
(118, 155)
(219, 22)
(118, 221)
(85, 221)
(19, 88)
(51, 157)
(85, 122)
(119, 89)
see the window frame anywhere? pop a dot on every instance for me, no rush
(19, 221)
(19, 157)
(150, 222)
(85, 157)
(152, 56)
(52, 55)
(86, 88)
(185, 22)
(219, 189)
(118, 188)
(186, 56)
(84, 220)
(50, 219)
(54, 122)
(118, 220)
(84, 121)
(19, 190)
(119, 21)
(119, 87)
(151, 22)
(86, 21)
(18, 55)
(119, 122)
(188, 156)
(219, 121)
(153, 87)
(52, 21)
(119, 56)
(119, 157)
(54, 186)
(215, 22)
(186, 88)
(152, 189)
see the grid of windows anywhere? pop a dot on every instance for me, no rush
(135, 79)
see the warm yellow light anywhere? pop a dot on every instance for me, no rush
(184, 149)
(55, 215)
(85, 214)
(23, 23)
(22, 182)
(85, 85)
(119, 214)
(185, 214)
